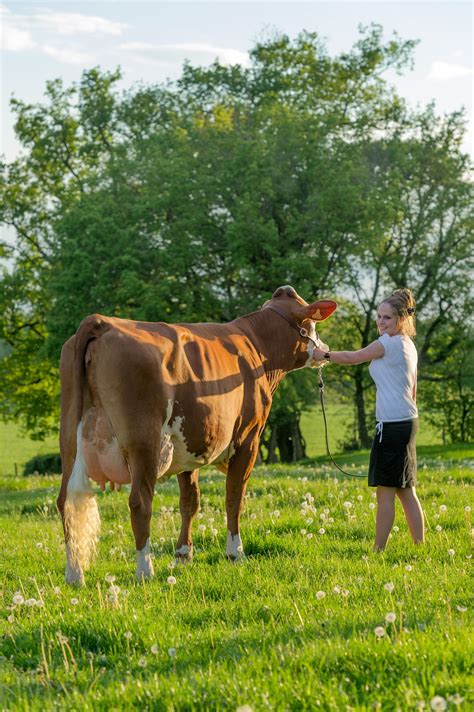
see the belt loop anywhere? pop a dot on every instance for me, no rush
(379, 430)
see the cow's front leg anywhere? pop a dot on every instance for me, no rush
(143, 468)
(240, 467)
(189, 496)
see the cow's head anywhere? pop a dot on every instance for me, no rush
(288, 301)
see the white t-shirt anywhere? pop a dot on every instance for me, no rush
(395, 376)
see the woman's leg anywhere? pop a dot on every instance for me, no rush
(385, 516)
(413, 513)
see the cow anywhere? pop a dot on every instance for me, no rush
(142, 401)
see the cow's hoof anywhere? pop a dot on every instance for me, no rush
(184, 555)
(74, 577)
(236, 558)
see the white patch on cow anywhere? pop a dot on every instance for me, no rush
(234, 549)
(144, 563)
(81, 516)
(184, 554)
(74, 573)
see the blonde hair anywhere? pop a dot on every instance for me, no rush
(403, 304)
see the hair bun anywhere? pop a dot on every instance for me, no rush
(405, 295)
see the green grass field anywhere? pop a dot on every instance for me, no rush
(294, 627)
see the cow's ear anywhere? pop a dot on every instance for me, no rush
(320, 310)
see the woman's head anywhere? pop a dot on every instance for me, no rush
(396, 314)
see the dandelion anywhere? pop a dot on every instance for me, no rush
(443, 508)
(11, 618)
(396, 529)
(320, 595)
(390, 617)
(39, 545)
(171, 580)
(321, 531)
(439, 528)
(451, 552)
(371, 505)
(128, 634)
(30, 602)
(389, 586)
(200, 515)
(461, 609)
(322, 516)
(18, 599)
(142, 662)
(408, 567)
(56, 591)
(276, 513)
(244, 708)
(336, 590)
(74, 601)
(109, 578)
(253, 516)
(154, 649)
(379, 631)
(359, 498)
(467, 508)
(344, 592)
(347, 505)
(438, 703)
(456, 699)
(172, 652)
(214, 532)
(309, 520)
(202, 527)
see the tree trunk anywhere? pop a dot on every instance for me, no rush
(291, 444)
(364, 437)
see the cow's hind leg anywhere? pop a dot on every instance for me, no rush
(189, 496)
(144, 466)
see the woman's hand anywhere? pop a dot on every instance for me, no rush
(318, 353)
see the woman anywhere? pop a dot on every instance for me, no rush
(393, 365)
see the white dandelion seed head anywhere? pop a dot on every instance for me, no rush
(390, 617)
(309, 520)
(443, 508)
(371, 505)
(74, 601)
(438, 703)
(439, 528)
(451, 552)
(379, 631)
(347, 505)
(30, 602)
(320, 594)
(154, 649)
(389, 586)
(467, 508)
(39, 545)
(202, 527)
(303, 532)
(253, 516)
(142, 662)
(310, 535)
(336, 590)
(171, 580)
(276, 513)
(109, 578)
(172, 652)
(321, 531)
(128, 634)
(359, 498)
(396, 529)
(408, 567)
(345, 592)
(461, 609)
(18, 599)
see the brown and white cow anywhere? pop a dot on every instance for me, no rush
(141, 401)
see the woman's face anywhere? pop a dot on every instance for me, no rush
(387, 320)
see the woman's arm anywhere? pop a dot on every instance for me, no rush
(369, 353)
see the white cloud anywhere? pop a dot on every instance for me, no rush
(12, 37)
(226, 55)
(71, 23)
(444, 70)
(68, 56)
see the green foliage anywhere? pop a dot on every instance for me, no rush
(43, 465)
(256, 634)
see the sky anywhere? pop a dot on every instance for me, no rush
(47, 39)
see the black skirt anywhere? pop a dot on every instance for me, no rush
(393, 455)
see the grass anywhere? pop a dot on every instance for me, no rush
(256, 633)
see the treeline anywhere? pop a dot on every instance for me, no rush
(194, 200)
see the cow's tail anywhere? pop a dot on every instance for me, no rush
(81, 514)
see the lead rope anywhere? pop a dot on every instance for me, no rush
(321, 398)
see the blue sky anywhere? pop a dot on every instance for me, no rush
(44, 40)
